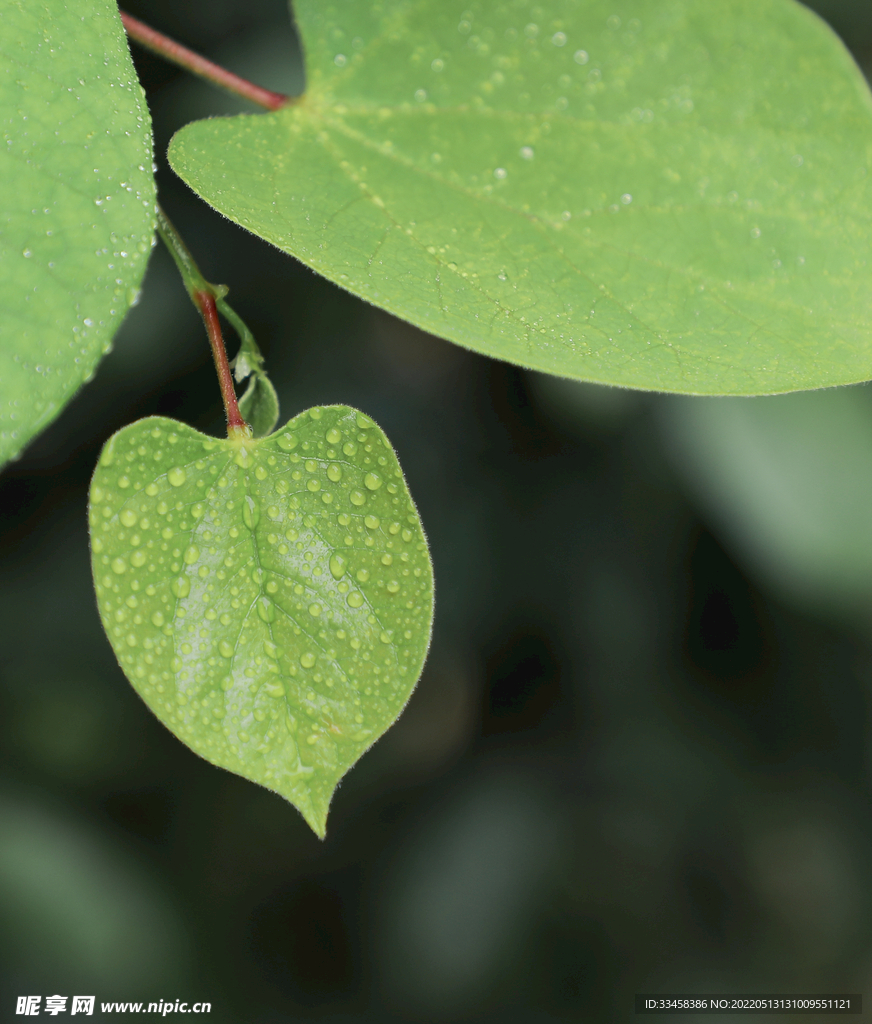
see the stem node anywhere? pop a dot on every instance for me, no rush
(203, 296)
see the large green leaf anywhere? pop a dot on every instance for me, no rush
(270, 599)
(77, 203)
(668, 195)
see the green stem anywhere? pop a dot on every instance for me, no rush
(174, 52)
(203, 295)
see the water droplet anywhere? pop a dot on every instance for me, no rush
(176, 476)
(362, 575)
(157, 619)
(438, 64)
(315, 610)
(527, 152)
(350, 448)
(340, 60)
(250, 512)
(192, 554)
(372, 522)
(581, 57)
(287, 442)
(137, 559)
(364, 422)
(626, 199)
(387, 559)
(119, 566)
(307, 660)
(333, 436)
(500, 173)
(181, 586)
(334, 472)
(559, 39)
(357, 498)
(266, 610)
(355, 599)
(337, 566)
(127, 517)
(313, 484)
(420, 95)
(372, 482)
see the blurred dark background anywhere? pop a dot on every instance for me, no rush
(639, 755)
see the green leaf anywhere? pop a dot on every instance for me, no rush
(259, 404)
(787, 481)
(77, 202)
(271, 599)
(665, 195)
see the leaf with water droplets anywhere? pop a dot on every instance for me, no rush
(77, 199)
(671, 196)
(270, 599)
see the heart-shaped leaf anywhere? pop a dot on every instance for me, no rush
(269, 599)
(671, 196)
(77, 203)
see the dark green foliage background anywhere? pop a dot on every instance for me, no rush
(626, 767)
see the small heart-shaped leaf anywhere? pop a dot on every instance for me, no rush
(270, 600)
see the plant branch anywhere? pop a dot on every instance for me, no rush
(204, 295)
(174, 52)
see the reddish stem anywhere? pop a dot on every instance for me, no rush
(206, 304)
(181, 55)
